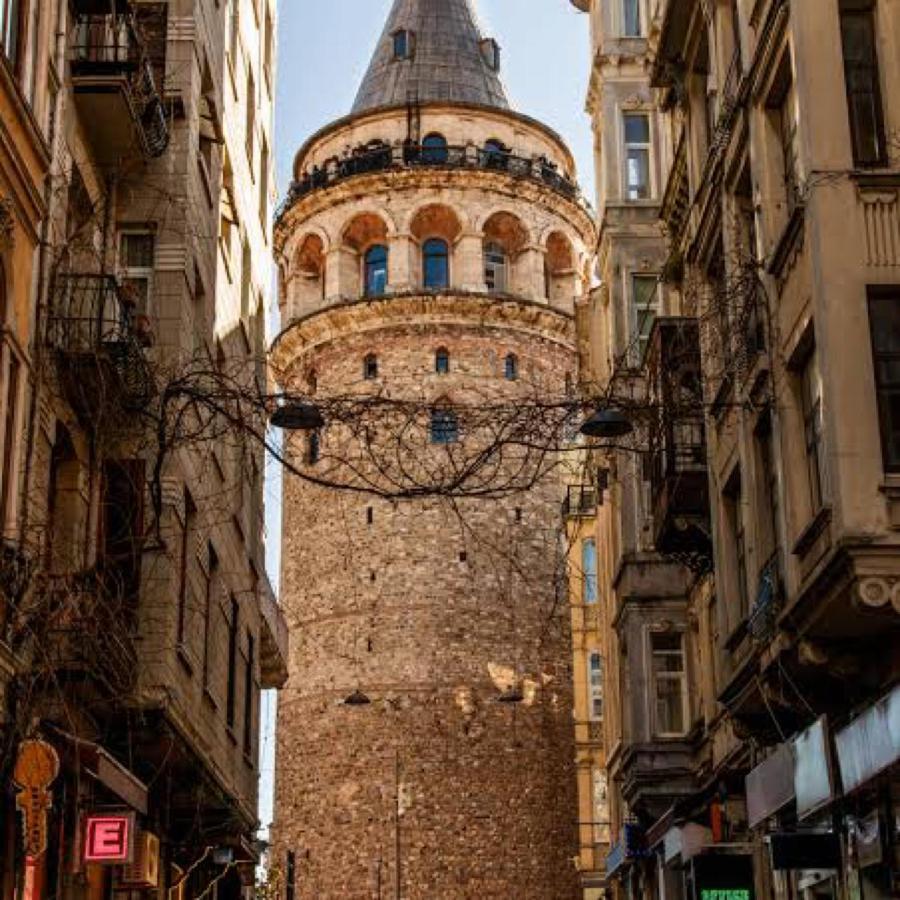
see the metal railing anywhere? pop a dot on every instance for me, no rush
(89, 314)
(382, 158)
(109, 46)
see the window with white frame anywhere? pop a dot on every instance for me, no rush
(600, 804)
(668, 683)
(595, 685)
(632, 18)
(137, 250)
(645, 307)
(636, 131)
(589, 571)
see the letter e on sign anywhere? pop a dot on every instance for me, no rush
(107, 839)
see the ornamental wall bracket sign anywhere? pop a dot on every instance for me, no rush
(7, 223)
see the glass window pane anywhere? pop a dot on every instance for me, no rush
(137, 251)
(632, 16)
(436, 273)
(637, 128)
(589, 570)
(638, 173)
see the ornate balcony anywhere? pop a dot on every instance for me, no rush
(678, 469)
(379, 157)
(114, 85)
(99, 341)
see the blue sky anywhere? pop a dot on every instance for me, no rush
(323, 51)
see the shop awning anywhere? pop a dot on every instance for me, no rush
(870, 743)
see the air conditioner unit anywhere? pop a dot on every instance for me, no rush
(143, 872)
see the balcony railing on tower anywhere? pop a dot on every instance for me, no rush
(381, 157)
(678, 463)
(100, 340)
(113, 82)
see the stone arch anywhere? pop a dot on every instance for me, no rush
(436, 222)
(504, 230)
(306, 279)
(362, 231)
(560, 269)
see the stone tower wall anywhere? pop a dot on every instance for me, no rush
(429, 608)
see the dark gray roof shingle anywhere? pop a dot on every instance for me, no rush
(448, 63)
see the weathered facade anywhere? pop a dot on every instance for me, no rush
(779, 197)
(431, 250)
(143, 621)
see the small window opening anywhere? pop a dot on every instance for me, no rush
(444, 427)
(511, 367)
(370, 367)
(442, 361)
(404, 44)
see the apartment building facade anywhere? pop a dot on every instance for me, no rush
(779, 202)
(142, 620)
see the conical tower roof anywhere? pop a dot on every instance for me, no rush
(449, 60)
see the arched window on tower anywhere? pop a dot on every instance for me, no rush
(404, 43)
(511, 367)
(370, 367)
(496, 268)
(376, 270)
(436, 264)
(434, 149)
(495, 154)
(442, 361)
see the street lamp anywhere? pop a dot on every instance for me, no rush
(607, 422)
(297, 416)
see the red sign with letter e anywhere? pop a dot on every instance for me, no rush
(107, 838)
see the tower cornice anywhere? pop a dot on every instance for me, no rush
(486, 311)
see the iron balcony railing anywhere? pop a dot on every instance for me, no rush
(89, 314)
(108, 46)
(382, 158)
(764, 615)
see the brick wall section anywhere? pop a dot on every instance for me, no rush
(485, 789)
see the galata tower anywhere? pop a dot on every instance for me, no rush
(431, 251)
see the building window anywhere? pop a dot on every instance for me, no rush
(732, 508)
(231, 688)
(136, 256)
(768, 499)
(669, 683)
(637, 155)
(250, 100)
(9, 438)
(376, 270)
(600, 805)
(246, 279)
(444, 427)
(264, 186)
(632, 24)
(811, 405)
(884, 319)
(188, 534)
(786, 125)
(645, 307)
(209, 602)
(436, 264)
(511, 367)
(434, 149)
(290, 876)
(495, 267)
(249, 693)
(404, 44)
(370, 367)
(442, 361)
(862, 82)
(313, 448)
(10, 29)
(589, 571)
(595, 685)
(495, 155)
(490, 53)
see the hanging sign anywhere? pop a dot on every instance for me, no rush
(108, 838)
(37, 766)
